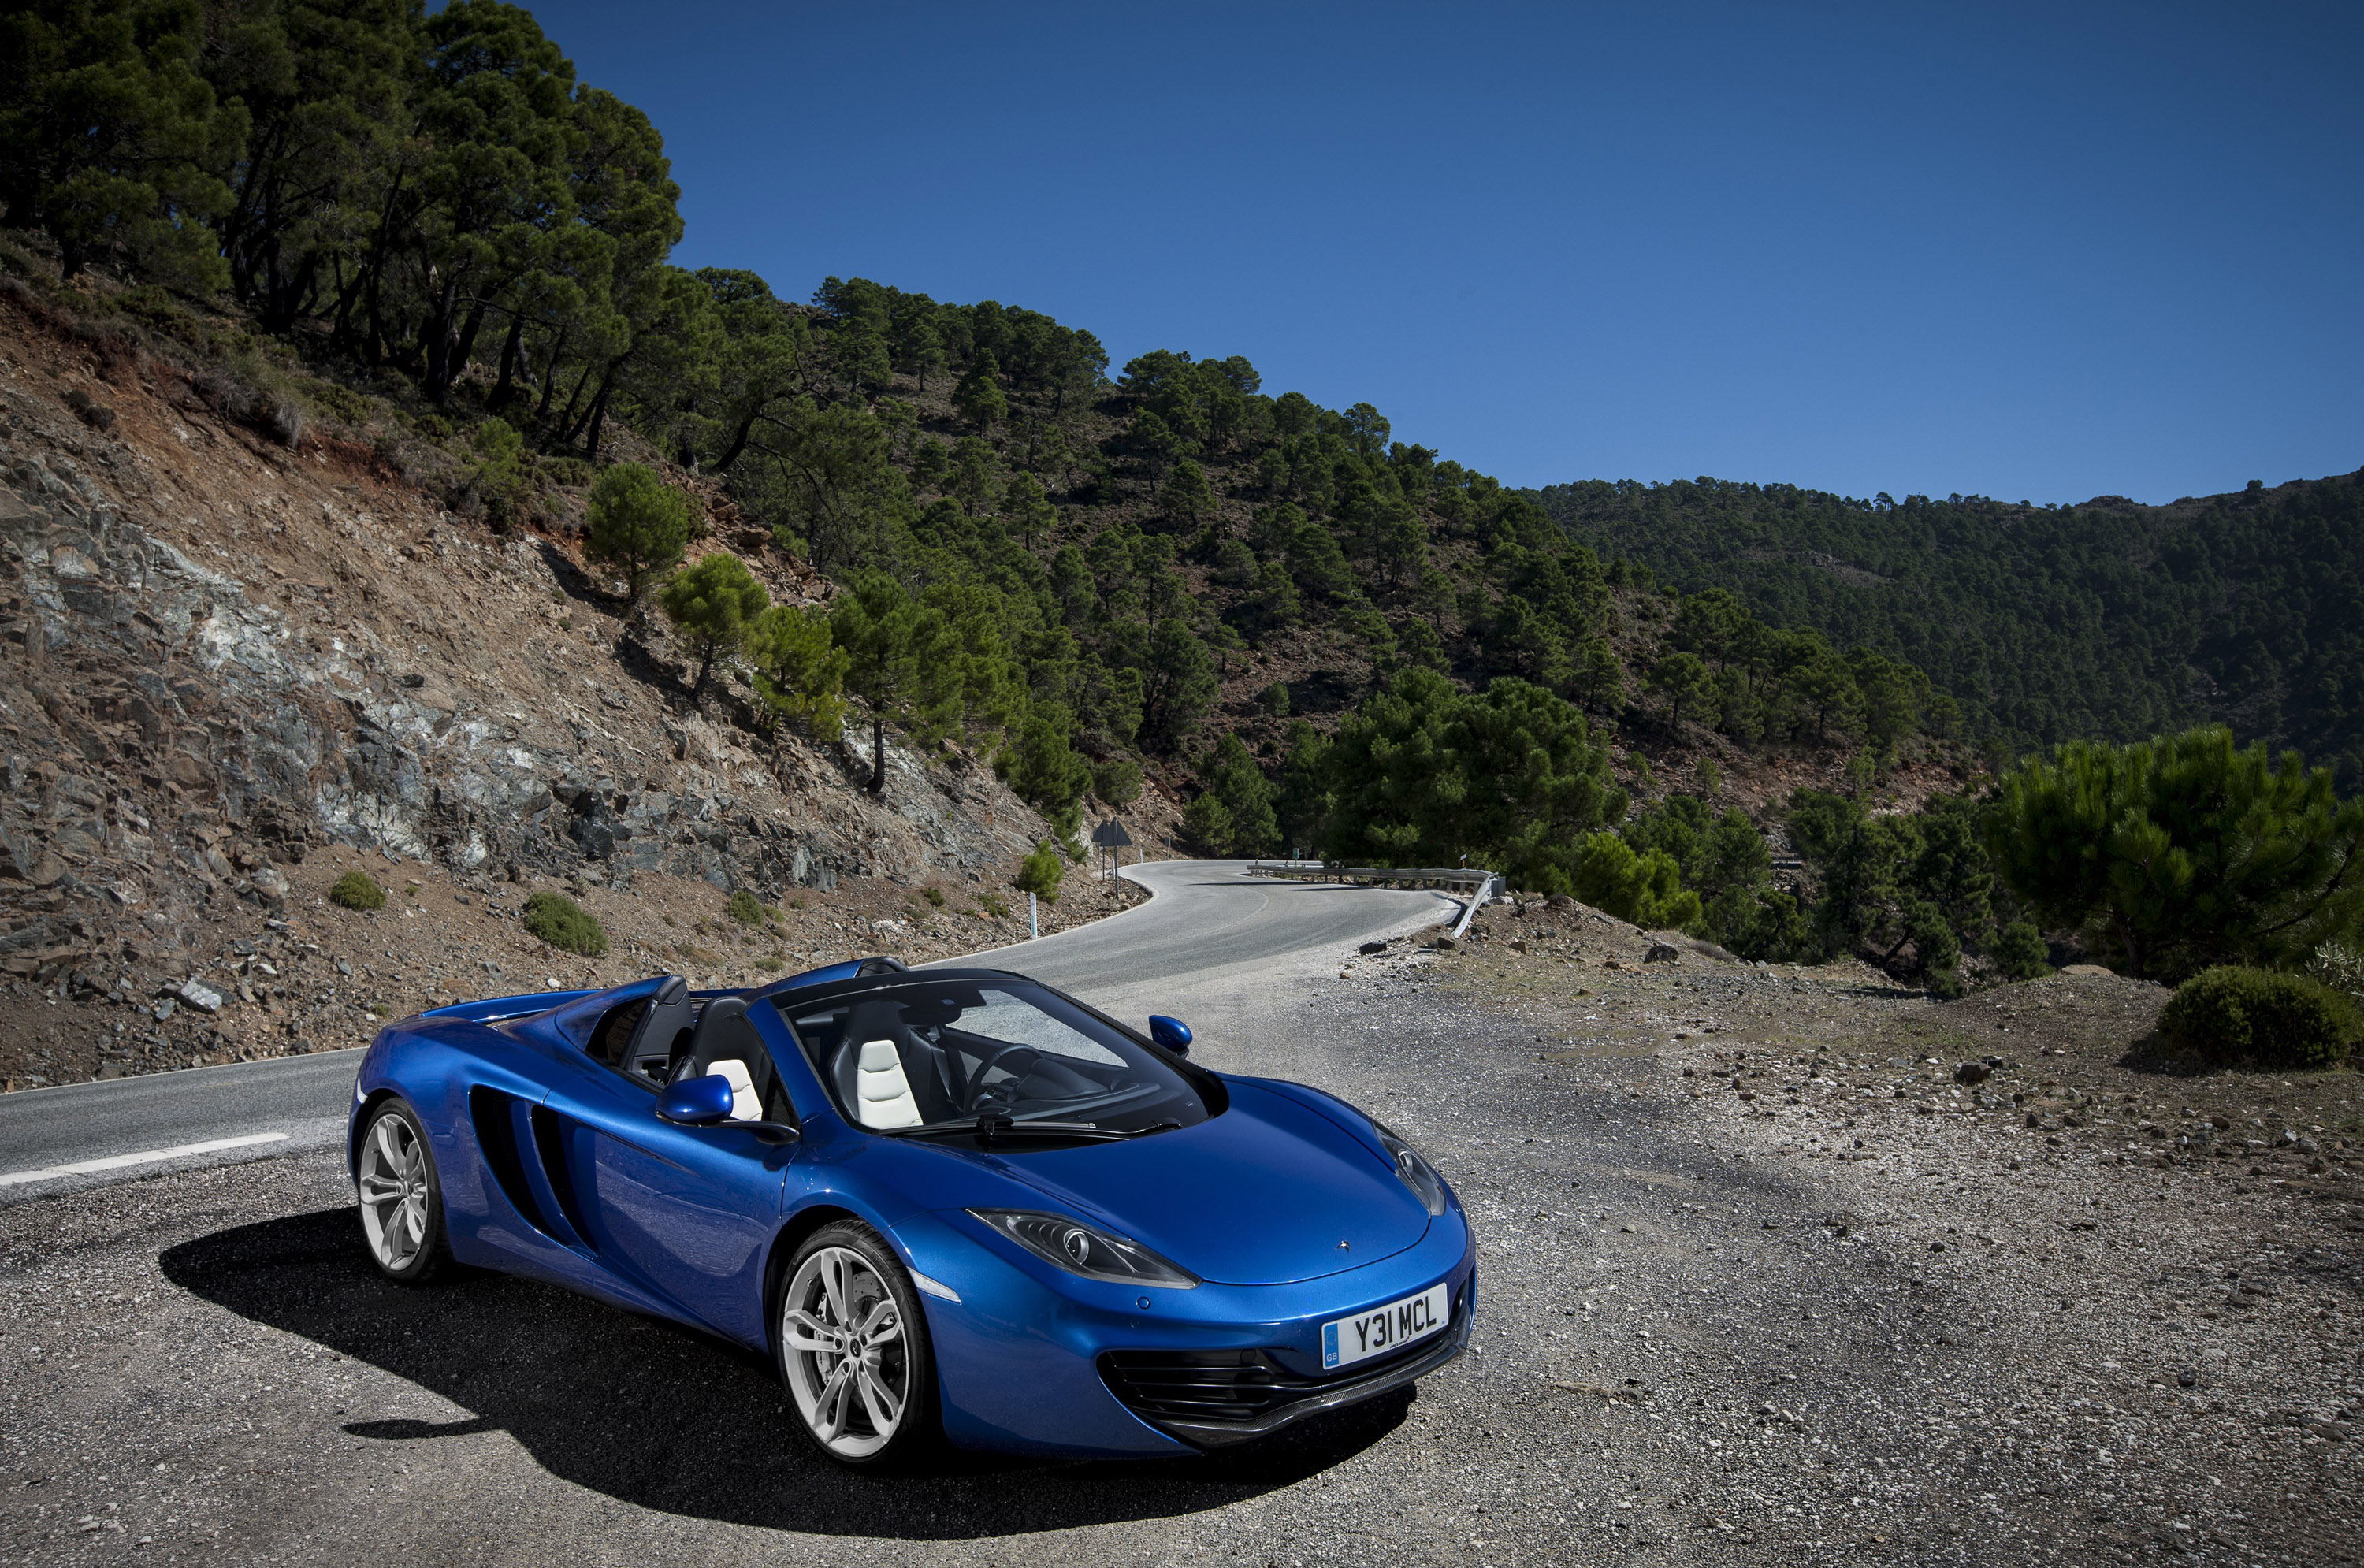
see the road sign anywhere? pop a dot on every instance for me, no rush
(1111, 835)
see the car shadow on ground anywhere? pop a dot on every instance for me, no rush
(665, 1419)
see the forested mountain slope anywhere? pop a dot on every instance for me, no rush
(425, 235)
(954, 539)
(2105, 619)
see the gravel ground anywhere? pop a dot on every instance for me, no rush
(1792, 1321)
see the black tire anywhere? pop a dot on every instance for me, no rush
(869, 1277)
(400, 1198)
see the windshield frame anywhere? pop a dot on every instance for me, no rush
(788, 1001)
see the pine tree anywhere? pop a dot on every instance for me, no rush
(1026, 510)
(2184, 853)
(979, 396)
(799, 670)
(637, 523)
(1187, 497)
(1239, 820)
(1681, 681)
(112, 139)
(714, 606)
(879, 628)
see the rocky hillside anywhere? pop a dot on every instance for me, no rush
(240, 659)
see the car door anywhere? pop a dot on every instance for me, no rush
(684, 1213)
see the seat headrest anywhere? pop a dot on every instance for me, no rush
(745, 1103)
(721, 1008)
(882, 1095)
(725, 1030)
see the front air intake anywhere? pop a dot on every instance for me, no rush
(1214, 1397)
(1200, 1385)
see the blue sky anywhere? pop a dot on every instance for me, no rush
(2044, 252)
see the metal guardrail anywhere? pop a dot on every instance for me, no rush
(1475, 882)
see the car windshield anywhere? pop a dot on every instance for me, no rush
(922, 1054)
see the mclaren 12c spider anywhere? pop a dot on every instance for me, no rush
(951, 1205)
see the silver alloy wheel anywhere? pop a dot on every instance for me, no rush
(393, 1192)
(849, 1363)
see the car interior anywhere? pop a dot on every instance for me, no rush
(665, 1037)
(645, 1038)
(921, 1055)
(915, 1054)
(725, 1043)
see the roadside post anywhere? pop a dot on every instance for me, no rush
(1034, 914)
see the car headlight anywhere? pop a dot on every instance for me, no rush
(1411, 1169)
(1085, 1250)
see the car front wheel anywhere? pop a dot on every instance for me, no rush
(854, 1348)
(401, 1198)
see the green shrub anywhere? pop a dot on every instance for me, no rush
(342, 400)
(2230, 1016)
(745, 908)
(354, 890)
(2021, 952)
(493, 473)
(988, 904)
(564, 924)
(1646, 889)
(574, 472)
(1042, 870)
(934, 896)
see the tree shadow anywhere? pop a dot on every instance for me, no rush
(665, 1419)
(572, 581)
(2150, 1053)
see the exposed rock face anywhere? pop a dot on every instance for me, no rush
(220, 652)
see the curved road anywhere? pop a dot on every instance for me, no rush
(1208, 923)
(1211, 915)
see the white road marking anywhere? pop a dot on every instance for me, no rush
(118, 1162)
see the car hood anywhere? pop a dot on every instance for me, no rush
(1263, 1194)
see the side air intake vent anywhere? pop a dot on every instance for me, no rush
(494, 1116)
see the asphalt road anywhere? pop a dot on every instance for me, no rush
(1206, 920)
(1209, 916)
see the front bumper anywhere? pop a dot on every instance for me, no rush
(1024, 1356)
(1215, 1398)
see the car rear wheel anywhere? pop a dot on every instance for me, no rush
(401, 1198)
(854, 1348)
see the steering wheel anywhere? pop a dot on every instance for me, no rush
(974, 1091)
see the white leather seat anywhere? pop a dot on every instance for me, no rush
(884, 1096)
(745, 1103)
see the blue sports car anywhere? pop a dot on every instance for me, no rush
(952, 1205)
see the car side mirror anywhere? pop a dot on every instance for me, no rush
(698, 1102)
(1171, 1033)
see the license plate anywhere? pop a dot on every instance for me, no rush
(1383, 1329)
